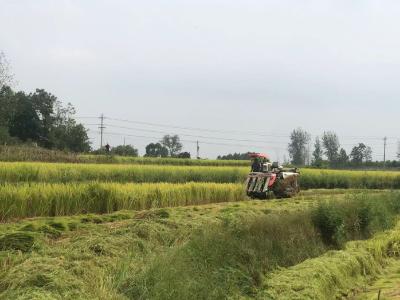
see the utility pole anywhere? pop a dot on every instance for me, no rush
(384, 150)
(198, 150)
(101, 130)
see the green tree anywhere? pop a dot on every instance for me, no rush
(184, 155)
(25, 123)
(318, 153)
(156, 150)
(331, 145)
(361, 153)
(172, 143)
(398, 150)
(235, 156)
(125, 150)
(343, 158)
(299, 139)
(6, 77)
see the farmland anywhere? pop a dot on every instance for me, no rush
(166, 231)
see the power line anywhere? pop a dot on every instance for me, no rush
(226, 131)
(187, 141)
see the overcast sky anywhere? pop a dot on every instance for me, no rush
(260, 66)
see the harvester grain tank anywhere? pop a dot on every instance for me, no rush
(269, 179)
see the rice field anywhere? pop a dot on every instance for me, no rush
(46, 199)
(15, 172)
(139, 230)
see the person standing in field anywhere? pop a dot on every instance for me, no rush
(107, 147)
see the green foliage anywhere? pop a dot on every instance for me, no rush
(41, 119)
(317, 153)
(235, 156)
(361, 153)
(125, 150)
(173, 144)
(299, 139)
(329, 220)
(156, 150)
(331, 145)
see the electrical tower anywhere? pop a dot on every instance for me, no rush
(384, 150)
(101, 130)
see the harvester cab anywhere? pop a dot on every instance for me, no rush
(270, 179)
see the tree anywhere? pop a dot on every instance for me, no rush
(343, 158)
(297, 146)
(398, 150)
(361, 153)
(6, 77)
(25, 123)
(368, 154)
(331, 145)
(125, 150)
(156, 150)
(235, 156)
(318, 152)
(184, 155)
(172, 143)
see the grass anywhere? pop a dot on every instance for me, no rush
(40, 199)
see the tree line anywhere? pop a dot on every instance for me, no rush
(327, 152)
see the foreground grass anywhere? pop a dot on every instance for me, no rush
(386, 286)
(336, 274)
(207, 251)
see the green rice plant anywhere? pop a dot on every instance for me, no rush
(41, 199)
(65, 172)
(60, 172)
(26, 153)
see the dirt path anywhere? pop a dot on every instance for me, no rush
(386, 286)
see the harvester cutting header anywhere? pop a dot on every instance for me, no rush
(267, 179)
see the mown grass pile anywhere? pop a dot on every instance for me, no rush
(40, 199)
(231, 259)
(336, 274)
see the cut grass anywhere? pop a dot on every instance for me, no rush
(94, 260)
(334, 274)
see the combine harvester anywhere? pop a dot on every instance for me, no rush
(268, 180)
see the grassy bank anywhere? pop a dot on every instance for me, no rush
(31, 200)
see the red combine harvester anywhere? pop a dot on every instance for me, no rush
(269, 179)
